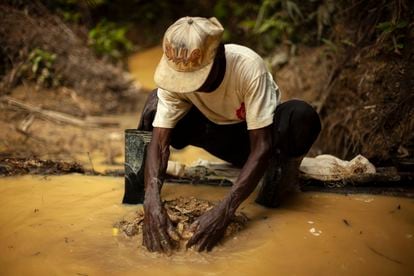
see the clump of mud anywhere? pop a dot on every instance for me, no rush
(182, 211)
(19, 166)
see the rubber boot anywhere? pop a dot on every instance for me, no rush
(136, 142)
(280, 180)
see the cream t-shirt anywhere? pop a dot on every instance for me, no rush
(247, 93)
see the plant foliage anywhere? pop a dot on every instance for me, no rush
(108, 38)
(39, 67)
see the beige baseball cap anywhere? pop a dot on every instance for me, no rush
(189, 48)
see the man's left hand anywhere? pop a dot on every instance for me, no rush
(209, 228)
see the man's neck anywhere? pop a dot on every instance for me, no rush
(216, 75)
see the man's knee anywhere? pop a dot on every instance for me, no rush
(302, 127)
(148, 113)
(306, 115)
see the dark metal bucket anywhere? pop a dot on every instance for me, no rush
(136, 142)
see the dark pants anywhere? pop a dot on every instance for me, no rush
(295, 128)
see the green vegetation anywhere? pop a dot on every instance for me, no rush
(265, 24)
(108, 38)
(392, 34)
(39, 67)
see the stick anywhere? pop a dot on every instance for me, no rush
(384, 256)
(90, 160)
(57, 116)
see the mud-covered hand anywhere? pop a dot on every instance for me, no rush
(209, 228)
(158, 232)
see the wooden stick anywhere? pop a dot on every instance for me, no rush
(56, 116)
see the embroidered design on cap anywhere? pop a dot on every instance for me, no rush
(180, 56)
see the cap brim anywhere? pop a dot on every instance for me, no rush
(182, 82)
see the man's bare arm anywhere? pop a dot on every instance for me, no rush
(253, 169)
(211, 226)
(158, 231)
(156, 162)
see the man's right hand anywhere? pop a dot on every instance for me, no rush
(158, 232)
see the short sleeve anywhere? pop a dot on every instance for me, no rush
(170, 109)
(261, 99)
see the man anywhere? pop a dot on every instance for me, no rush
(220, 98)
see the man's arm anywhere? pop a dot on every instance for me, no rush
(158, 231)
(253, 169)
(211, 226)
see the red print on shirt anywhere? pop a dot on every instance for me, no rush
(241, 112)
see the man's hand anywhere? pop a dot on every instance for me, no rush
(158, 232)
(209, 228)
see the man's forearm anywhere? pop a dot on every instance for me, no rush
(248, 179)
(156, 165)
(253, 169)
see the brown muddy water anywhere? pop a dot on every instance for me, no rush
(63, 225)
(142, 66)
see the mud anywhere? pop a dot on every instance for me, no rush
(16, 166)
(182, 211)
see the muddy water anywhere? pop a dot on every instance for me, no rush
(62, 225)
(142, 66)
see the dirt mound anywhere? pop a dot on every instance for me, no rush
(370, 110)
(360, 80)
(38, 46)
(183, 212)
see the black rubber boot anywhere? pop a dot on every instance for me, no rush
(280, 180)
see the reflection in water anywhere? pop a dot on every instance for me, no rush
(63, 225)
(142, 66)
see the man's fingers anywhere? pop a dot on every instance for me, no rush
(203, 243)
(146, 239)
(165, 241)
(172, 233)
(194, 239)
(211, 244)
(194, 226)
(155, 240)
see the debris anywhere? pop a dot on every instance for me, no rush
(115, 231)
(315, 232)
(346, 222)
(384, 256)
(329, 168)
(19, 166)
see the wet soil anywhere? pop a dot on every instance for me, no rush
(16, 166)
(182, 211)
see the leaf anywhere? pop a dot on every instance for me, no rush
(35, 67)
(401, 24)
(247, 24)
(330, 44)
